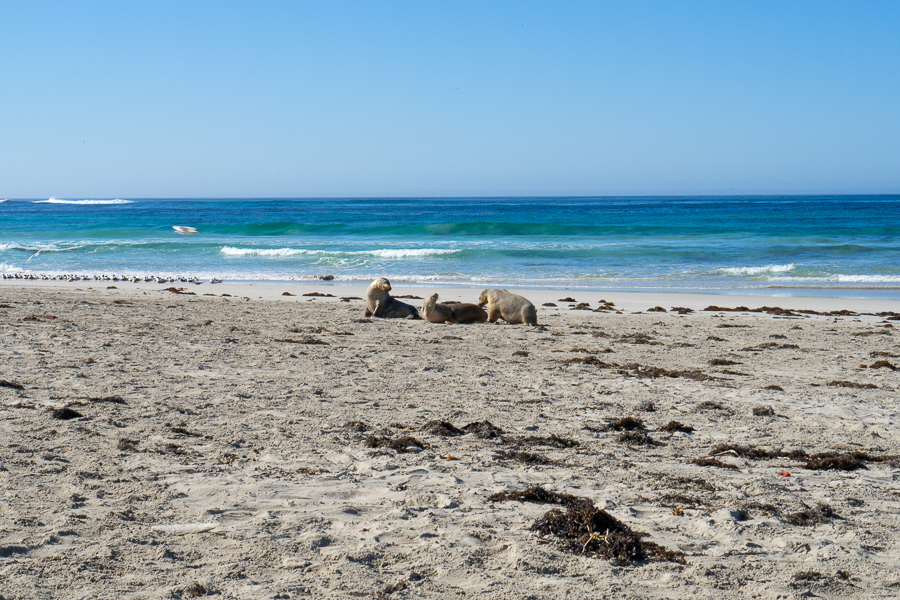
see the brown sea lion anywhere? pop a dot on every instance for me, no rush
(379, 303)
(512, 308)
(458, 312)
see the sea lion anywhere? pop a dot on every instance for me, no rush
(458, 312)
(379, 303)
(512, 308)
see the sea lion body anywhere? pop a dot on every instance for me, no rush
(512, 308)
(380, 303)
(459, 312)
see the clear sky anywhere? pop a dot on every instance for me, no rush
(387, 98)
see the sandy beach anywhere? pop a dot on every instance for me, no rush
(235, 442)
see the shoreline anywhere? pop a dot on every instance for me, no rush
(627, 300)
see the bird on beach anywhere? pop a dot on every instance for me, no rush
(184, 230)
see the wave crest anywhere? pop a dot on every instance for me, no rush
(381, 253)
(766, 270)
(60, 201)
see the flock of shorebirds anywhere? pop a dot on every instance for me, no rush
(133, 279)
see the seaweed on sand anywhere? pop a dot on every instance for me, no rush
(400, 444)
(673, 426)
(636, 438)
(483, 429)
(552, 440)
(627, 424)
(852, 385)
(444, 428)
(584, 529)
(525, 457)
(706, 461)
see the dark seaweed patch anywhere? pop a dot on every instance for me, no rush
(525, 457)
(639, 338)
(769, 346)
(882, 364)
(843, 462)
(309, 340)
(590, 531)
(709, 405)
(443, 428)
(673, 426)
(552, 440)
(807, 517)
(65, 414)
(356, 426)
(111, 399)
(627, 424)
(636, 438)
(11, 384)
(763, 411)
(400, 444)
(774, 388)
(483, 429)
(723, 362)
(852, 385)
(713, 462)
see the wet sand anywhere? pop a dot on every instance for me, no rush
(223, 445)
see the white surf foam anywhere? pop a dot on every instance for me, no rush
(60, 201)
(37, 247)
(7, 268)
(766, 270)
(381, 253)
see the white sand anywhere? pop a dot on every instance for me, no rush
(229, 471)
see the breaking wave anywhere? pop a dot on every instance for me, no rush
(752, 271)
(381, 253)
(61, 201)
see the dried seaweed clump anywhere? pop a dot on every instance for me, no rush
(11, 384)
(627, 424)
(706, 461)
(590, 531)
(441, 428)
(807, 517)
(763, 411)
(525, 457)
(673, 426)
(400, 444)
(723, 362)
(841, 462)
(552, 440)
(483, 429)
(356, 426)
(65, 414)
(852, 384)
(883, 364)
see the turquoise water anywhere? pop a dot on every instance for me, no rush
(717, 243)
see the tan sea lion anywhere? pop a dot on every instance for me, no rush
(512, 308)
(458, 312)
(379, 303)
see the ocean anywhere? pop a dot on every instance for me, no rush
(766, 245)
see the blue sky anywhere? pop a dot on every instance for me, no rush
(276, 99)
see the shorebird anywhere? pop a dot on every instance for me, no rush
(184, 230)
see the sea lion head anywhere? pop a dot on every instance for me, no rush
(381, 285)
(429, 304)
(483, 298)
